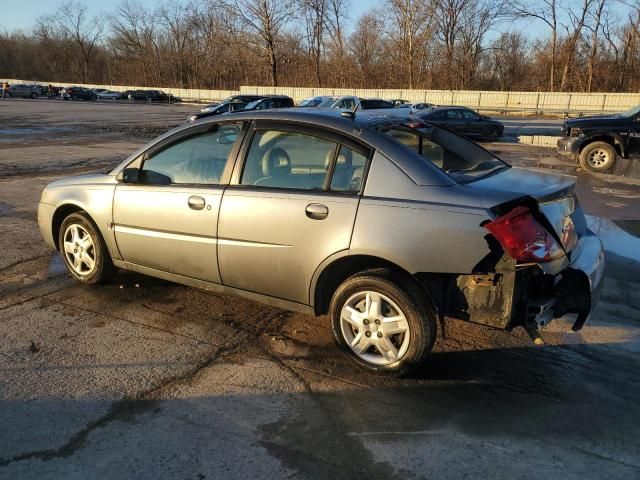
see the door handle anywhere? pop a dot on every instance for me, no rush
(317, 211)
(196, 202)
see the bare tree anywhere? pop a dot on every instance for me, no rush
(574, 31)
(77, 29)
(410, 27)
(261, 27)
(595, 27)
(547, 12)
(314, 13)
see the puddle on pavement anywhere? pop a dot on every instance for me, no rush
(13, 134)
(624, 167)
(621, 237)
(6, 209)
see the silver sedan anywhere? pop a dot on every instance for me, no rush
(390, 226)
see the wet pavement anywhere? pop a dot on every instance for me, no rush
(142, 378)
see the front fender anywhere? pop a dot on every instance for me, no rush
(96, 200)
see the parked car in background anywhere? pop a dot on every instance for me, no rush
(319, 101)
(236, 104)
(464, 121)
(382, 226)
(20, 90)
(151, 96)
(271, 102)
(356, 103)
(416, 107)
(77, 93)
(235, 99)
(109, 95)
(597, 141)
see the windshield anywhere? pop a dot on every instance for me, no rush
(252, 104)
(631, 112)
(327, 102)
(461, 159)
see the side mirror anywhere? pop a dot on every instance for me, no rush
(129, 175)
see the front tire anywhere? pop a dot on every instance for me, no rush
(83, 249)
(598, 157)
(34, 95)
(383, 322)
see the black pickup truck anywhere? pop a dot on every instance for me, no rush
(596, 141)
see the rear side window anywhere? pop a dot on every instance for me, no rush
(348, 172)
(199, 159)
(279, 159)
(469, 115)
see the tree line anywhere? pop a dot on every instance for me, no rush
(579, 45)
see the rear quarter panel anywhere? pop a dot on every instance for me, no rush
(419, 228)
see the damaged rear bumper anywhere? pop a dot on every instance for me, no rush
(579, 285)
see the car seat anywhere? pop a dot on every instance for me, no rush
(276, 168)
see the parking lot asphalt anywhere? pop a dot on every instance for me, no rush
(141, 378)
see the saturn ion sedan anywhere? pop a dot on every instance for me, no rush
(390, 227)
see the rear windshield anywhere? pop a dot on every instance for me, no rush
(461, 159)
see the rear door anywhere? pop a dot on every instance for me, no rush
(166, 216)
(474, 126)
(291, 204)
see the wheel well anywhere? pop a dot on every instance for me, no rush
(607, 139)
(58, 217)
(338, 271)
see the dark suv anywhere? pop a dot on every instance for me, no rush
(597, 141)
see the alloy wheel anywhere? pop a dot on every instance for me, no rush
(375, 328)
(79, 249)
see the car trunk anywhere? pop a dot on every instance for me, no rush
(553, 194)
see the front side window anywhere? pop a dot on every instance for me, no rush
(280, 159)
(199, 159)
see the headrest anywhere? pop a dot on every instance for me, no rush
(344, 159)
(276, 162)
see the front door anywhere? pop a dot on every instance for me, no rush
(294, 205)
(166, 217)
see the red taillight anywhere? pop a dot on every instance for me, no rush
(523, 238)
(415, 124)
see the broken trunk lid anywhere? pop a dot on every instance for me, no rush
(553, 194)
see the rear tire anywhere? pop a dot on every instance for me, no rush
(383, 322)
(494, 134)
(598, 157)
(74, 97)
(34, 95)
(83, 249)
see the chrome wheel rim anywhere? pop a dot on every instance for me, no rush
(598, 158)
(79, 249)
(375, 328)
